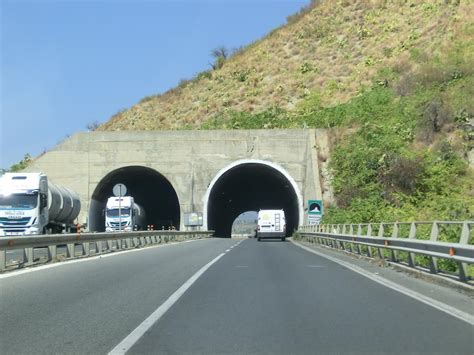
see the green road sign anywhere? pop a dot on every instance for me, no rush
(315, 207)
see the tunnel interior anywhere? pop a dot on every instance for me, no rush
(250, 187)
(151, 190)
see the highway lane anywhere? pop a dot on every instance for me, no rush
(268, 297)
(88, 306)
(275, 298)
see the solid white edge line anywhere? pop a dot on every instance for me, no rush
(466, 317)
(136, 334)
(90, 258)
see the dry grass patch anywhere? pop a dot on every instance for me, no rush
(348, 42)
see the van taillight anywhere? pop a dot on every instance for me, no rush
(284, 228)
(258, 228)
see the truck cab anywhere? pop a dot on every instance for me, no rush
(271, 224)
(23, 204)
(123, 214)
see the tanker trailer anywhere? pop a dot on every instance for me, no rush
(30, 204)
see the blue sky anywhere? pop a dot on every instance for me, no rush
(65, 64)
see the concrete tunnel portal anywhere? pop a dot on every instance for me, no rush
(150, 190)
(251, 186)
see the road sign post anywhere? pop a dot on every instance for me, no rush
(120, 190)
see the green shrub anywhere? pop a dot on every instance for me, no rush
(22, 164)
(400, 174)
(306, 68)
(207, 74)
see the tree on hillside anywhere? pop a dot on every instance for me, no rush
(22, 164)
(93, 126)
(220, 55)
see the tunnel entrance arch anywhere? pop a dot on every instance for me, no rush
(247, 185)
(150, 189)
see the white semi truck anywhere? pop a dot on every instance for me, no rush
(124, 214)
(30, 204)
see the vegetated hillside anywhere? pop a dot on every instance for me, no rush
(394, 80)
(333, 50)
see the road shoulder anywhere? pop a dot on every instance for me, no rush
(456, 301)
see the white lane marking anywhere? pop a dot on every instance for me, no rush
(84, 259)
(466, 317)
(134, 336)
(227, 250)
(241, 266)
(315, 266)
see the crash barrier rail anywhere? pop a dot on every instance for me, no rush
(415, 244)
(100, 243)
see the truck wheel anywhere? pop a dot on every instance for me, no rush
(283, 239)
(258, 239)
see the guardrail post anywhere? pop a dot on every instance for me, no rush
(463, 240)
(359, 233)
(351, 232)
(341, 229)
(381, 233)
(52, 252)
(86, 249)
(412, 235)
(109, 245)
(70, 252)
(394, 235)
(434, 237)
(99, 247)
(28, 256)
(337, 230)
(369, 234)
(3, 260)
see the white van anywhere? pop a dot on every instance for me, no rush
(271, 224)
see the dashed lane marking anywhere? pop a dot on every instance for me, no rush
(139, 331)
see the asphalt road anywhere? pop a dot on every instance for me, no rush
(268, 297)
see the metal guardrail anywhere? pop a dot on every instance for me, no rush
(100, 243)
(404, 237)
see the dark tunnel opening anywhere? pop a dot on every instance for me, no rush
(150, 190)
(250, 187)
